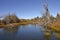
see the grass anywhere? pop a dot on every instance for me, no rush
(7, 25)
(55, 27)
(47, 33)
(58, 35)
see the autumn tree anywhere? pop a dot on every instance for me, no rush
(11, 18)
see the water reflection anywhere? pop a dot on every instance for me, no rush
(30, 32)
(25, 32)
(9, 33)
(13, 29)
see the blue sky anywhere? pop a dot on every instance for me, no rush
(28, 8)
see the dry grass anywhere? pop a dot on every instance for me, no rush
(58, 35)
(47, 33)
(8, 25)
(55, 26)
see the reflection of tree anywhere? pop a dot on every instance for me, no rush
(47, 38)
(11, 29)
(10, 33)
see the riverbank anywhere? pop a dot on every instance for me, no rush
(8, 25)
(17, 24)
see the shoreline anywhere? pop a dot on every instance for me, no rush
(7, 25)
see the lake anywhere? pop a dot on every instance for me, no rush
(24, 32)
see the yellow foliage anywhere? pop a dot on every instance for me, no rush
(58, 35)
(55, 26)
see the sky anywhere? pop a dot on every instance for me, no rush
(28, 8)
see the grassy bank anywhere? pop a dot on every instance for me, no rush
(17, 24)
(8, 25)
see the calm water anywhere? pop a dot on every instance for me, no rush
(24, 32)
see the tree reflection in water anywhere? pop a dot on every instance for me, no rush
(10, 33)
(24, 32)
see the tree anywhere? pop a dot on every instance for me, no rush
(11, 18)
(58, 16)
